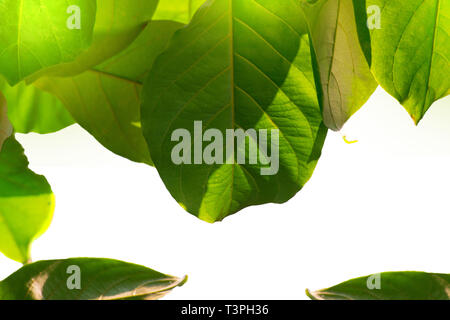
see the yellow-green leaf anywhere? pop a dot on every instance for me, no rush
(411, 51)
(345, 77)
(35, 34)
(26, 200)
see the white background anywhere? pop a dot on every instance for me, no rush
(381, 204)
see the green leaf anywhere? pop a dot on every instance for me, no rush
(411, 52)
(33, 110)
(390, 286)
(135, 62)
(346, 80)
(117, 25)
(34, 35)
(106, 99)
(360, 9)
(239, 64)
(99, 279)
(6, 128)
(26, 200)
(177, 10)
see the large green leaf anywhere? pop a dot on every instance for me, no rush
(346, 80)
(34, 35)
(411, 52)
(106, 99)
(33, 110)
(26, 200)
(390, 286)
(86, 279)
(117, 25)
(239, 64)
(177, 10)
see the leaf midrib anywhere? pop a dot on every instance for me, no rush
(233, 102)
(234, 87)
(332, 60)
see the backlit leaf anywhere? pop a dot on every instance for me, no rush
(411, 51)
(34, 35)
(26, 200)
(177, 10)
(33, 110)
(390, 286)
(106, 99)
(345, 76)
(239, 64)
(117, 25)
(5, 125)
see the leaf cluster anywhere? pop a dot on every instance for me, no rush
(131, 74)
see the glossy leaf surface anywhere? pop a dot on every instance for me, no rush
(390, 286)
(86, 279)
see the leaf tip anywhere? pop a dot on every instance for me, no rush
(417, 120)
(183, 281)
(310, 294)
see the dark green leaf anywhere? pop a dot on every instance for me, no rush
(390, 286)
(86, 279)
